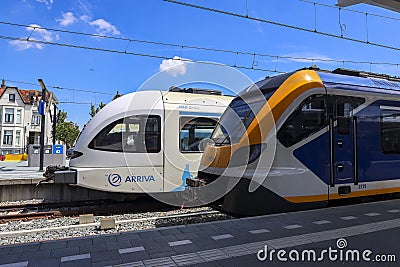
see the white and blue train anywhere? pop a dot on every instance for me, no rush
(144, 142)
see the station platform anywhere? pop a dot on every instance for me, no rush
(369, 230)
(20, 182)
(19, 173)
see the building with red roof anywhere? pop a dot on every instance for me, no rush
(20, 120)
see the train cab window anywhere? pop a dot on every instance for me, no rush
(307, 119)
(193, 131)
(152, 138)
(133, 134)
(390, 132)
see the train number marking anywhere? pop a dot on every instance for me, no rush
(362, 186)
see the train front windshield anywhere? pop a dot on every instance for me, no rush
(238, 116)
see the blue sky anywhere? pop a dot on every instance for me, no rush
(159, 21)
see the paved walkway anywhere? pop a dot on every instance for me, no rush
(18, 170)
(19, 173)
(372, 226)
(11, 171)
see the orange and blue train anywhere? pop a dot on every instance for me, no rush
(336, 135)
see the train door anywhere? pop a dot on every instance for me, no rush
(379, 146)
(343, 142)
(184, 133)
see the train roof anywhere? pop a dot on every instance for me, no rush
(339, 79)
(359, 81)
(195, 98)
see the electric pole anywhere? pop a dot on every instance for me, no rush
(42, 108)
(55, 121)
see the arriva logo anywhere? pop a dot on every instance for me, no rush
(114, 179)
(139, 179)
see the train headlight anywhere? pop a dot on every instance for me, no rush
(76, 154)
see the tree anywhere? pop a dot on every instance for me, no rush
(66, 131)
(94, 110)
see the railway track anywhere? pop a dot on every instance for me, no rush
(30, 216)
(26, 212)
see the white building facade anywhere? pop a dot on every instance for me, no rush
(20, 121)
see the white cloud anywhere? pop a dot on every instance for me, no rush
(38, 34)
(175, 66)
(67, 19)
(103, 27)
(47, 2)
(86, 18)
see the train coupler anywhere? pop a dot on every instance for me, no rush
(60, 175)
(195, 182)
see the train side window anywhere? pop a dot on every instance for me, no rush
(134, 134)
(390, 132)
(193, 131)
(343, 117)
(153, 134)
(306, 120)
(344, 110)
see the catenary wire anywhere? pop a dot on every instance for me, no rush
(60, 88)
(190, 46)
(135, 54)
(77, 103)
(283, 24)
(176, 45)
(276, 70)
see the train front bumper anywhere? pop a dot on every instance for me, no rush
(61, 175)
(65, 177)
